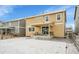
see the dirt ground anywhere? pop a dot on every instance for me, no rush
(23, 45)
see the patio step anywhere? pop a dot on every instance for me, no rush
(43, 37)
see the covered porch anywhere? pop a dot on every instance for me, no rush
(5, 32)
(44, 29)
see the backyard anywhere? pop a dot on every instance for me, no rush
(23, 45)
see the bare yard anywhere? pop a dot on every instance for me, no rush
(31, 46)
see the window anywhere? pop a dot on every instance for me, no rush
(46, 18)
(45, 30)
(58, 17)
(31, 29)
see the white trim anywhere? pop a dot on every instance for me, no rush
(45, 26)
(58, 23)
(54, 12)
(24, 18)
(60, 17)
(45, 19)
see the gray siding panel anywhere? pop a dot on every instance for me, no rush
(77, 20)
(19, 27)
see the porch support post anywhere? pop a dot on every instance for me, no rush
(1, 33)
(49, 30)
(5, 31)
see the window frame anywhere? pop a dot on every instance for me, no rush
(57, 17)
(46, 18)
(31, 29)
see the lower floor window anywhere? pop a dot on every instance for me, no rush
(31, 29)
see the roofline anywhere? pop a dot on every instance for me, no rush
(47, 13)
(37, 15)
(1, 22)
(15, 20)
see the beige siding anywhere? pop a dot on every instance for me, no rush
(58, 27)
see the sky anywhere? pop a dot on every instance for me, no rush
(12, 12)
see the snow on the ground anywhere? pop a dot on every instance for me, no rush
(24, 45)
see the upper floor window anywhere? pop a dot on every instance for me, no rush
(58, 17)
(46, 18)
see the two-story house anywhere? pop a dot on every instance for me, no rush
(49, 24)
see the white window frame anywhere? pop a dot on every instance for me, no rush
(60, 17)
(32, 29)
(45, 18)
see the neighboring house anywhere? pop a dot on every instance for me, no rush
(76, 17)
(49, 24)
(69, 29)
(17, 27)
(1, 23)
(4, 30)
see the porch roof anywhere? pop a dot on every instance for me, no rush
(5, 28)
(41, 24)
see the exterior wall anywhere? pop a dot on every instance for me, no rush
(1, 24)
(13, 24)
(58, 28)
(77, 20)
(22, 27)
